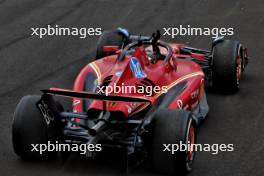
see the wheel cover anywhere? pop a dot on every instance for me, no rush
(238, 67)
(190, 140)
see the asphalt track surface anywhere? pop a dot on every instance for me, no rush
(28, 64)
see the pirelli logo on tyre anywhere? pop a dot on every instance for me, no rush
(45, 111)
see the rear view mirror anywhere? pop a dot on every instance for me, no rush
(111, 49)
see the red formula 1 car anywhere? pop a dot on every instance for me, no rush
(140, 94)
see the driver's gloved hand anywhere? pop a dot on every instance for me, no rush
(153, 61)
(154, 58)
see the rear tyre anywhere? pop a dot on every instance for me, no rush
(108, 38)
(227, 66)
(29, 127)
(173, 127)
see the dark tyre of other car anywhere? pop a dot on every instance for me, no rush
(173, 127)
(227, 66)
(29, 127)
(108, 38)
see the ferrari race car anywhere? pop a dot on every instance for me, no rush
(139, 94)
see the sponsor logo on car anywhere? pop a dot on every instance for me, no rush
(136, 68)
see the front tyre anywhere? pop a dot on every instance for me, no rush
(108, 38)
(176, 128)
(227, 66)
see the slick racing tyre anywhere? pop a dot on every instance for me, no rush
(227, 66)
(30, 127)
(108, 38)
(173, 127)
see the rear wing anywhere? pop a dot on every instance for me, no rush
(49, 110)
(89, 95)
